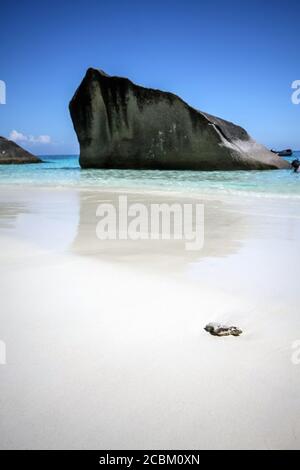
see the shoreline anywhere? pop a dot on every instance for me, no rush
(227, 195)
(63, 173)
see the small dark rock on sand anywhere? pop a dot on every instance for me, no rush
(216, 329)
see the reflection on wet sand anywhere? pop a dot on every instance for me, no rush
(46, 218)
(223, 232)
(66, 221)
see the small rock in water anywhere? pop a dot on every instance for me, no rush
(216, 329)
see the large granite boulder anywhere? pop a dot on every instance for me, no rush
(122, 125)
(10, 152)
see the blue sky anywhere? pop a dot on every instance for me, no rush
(230, 58)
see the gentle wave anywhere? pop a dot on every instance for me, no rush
(64, 172)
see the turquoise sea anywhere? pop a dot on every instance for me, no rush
(64, 171)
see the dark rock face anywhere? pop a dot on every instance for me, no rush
(122, 125)
(10, 152)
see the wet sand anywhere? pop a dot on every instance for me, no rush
(104, 340)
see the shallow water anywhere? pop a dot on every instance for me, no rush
(64, 171)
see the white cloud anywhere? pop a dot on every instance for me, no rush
(19, 137)
(43, 139)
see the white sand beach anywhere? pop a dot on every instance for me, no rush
(105, 346)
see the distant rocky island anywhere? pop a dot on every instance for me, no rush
(11, 153)
(123, 125)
